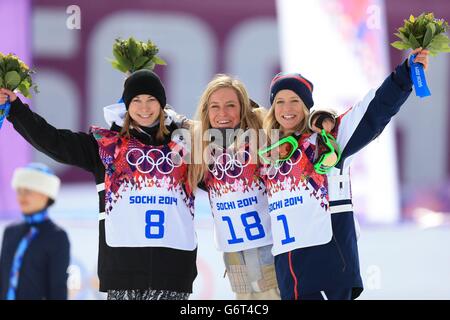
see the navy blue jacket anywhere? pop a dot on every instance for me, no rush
(335, 265)
(43, 274)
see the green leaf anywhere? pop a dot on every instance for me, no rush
(439, 47)
(132, 49)
(408, 25)
(2, 65)
(432, 26)
(413, 42)
(401, 36)
(441, 38)
(1, 83)
(149, 65)
(24, 90)
(140, 62)
(158, 60)
(116, 65)
(12, 80)
(11, 64)
(121, 60)
(139, 49)
(28, 80)
(428, 35)
(25, 83)
(400, 45)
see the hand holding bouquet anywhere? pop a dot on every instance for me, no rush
(422, 34)
(15, 75)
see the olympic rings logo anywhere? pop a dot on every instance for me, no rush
(284, 167)
(229, 165)
(145, 163)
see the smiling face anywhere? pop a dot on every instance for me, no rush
(224, 108)
(31, 201)
(144, 109)
(288, 110)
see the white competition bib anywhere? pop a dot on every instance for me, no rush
(298, 203)
(298, 221)
(150, 217)
(241, 221)
(238, 200)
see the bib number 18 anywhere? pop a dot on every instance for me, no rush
(248, 227)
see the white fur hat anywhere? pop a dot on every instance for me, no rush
(37, 177)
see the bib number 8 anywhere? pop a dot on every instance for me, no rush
(249, 226)
(154, 229)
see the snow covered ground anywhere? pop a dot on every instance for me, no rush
(397, 261)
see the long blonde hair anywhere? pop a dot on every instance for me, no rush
(129, 123)
(250, 118)
(270, 123)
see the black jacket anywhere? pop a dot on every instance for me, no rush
(43, 274)
(118, 268)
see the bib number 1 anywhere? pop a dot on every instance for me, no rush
(287, 237)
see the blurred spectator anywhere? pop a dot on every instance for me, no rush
(35, 253)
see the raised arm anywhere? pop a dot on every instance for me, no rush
(79, 149)
(365, 121)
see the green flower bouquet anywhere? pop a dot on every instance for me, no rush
(426, 32)
(132, 55)
(423, 31)
(15, 75)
